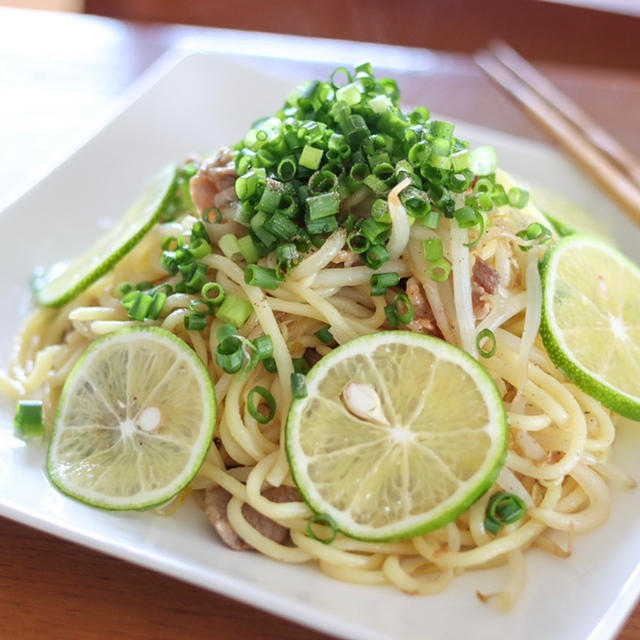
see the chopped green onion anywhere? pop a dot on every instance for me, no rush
(432, 219)
(419, 153)
(169, 243)
(323, 205)
(270, 365)
(195, 321)
(263, 346)
(230, 354)
(403, 299)
(381, 281)
(391, 315)
(140, 307)
(322, 182)
(169, 263)
(380, 104)
(380, 211)
(157, 305)
(439, 270)
(282, 227)
(359, 171)
(518, 198)
(535, 231)
(374, 232)
(206, 215)
(246, 185)
(486, 334)
(298, 386)
(287, 257)
(262, 277)
(324, 334)
(310, 157)
(461, 160)
(349, 93)
(234, 310)
(503, 508)
(499, 196)
(213, 293)
(357, 242)
(466, 217)
(325, 519)
(484, 185)
(441, 129)
(225, 331)
(484, 161)
(416, 202)
(378, 186)
(200, 306)
(376, 257)
(229, 246)
(432, 248)
(320, 226)
(288, 206)
(253, 408)
(248, 249)
(199, 248)
(287, 169)
(144, 285)
(28, 419)
(300, 365)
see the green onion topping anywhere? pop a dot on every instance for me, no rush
(486, 334)
(503, 508)
(253, 408)
(324, 519)
(28, 419)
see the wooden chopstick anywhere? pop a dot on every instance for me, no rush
(520, 67)
(618, 185)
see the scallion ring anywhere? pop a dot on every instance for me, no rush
(213, 293)
(253, 408)
(325, 519)
(489, 335)
(503, 508)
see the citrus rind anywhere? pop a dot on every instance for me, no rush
(77, 474)
(468, 492)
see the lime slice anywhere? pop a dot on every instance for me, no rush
(134, 422)
(591, 320)
(64, 281)
(398, 435)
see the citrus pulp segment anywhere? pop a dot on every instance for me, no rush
(135, 420)
(64, 281)
(434, 444)
(591, 320)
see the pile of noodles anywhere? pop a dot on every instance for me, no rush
(560, 438)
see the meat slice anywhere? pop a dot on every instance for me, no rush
(484, 283)
(216, 501)
(485, 276)
(214, 183)
(311, 356)
(423, 319)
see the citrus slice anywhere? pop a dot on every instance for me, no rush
(64, 281)
(591, 320)
(398, 435)
(134, 422)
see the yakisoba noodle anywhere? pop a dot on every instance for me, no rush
(560, 438)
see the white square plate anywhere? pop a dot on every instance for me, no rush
(199, 102)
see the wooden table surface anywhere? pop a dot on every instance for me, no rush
(60, 75)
